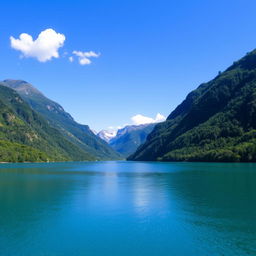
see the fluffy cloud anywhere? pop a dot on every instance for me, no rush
(140, 119)
(84, 57)
(137, 120)
(44, 48)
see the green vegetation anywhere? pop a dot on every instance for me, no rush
(216, 122)
(79, 135)
(14, 152)
(21, 128)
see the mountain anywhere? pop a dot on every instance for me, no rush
(78, 134)
(129, 138)
(216, 122)
(26, 136)
(106, 135)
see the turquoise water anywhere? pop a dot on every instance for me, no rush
(126, 208)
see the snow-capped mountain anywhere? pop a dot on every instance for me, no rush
(127, 139)
(107, 135)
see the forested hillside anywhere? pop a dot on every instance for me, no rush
(78, 134)
(216, 122)
(26, 136)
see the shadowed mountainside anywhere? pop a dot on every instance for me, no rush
(216, 122)
(129, 138)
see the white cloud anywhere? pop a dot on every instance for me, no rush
(71, 59)
(159, 118)
(44, 48)
(84, 57)
(113, 128)
(140, 119)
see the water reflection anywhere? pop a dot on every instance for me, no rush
(119, 208)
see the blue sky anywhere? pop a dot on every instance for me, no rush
(152, 53)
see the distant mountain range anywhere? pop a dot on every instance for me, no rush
(216, 122)
(32, 122)
(128, 139)
(107, 135)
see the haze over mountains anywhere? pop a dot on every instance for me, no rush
(216, 122)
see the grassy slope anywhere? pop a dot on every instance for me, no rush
(21, 125)
(78, 134)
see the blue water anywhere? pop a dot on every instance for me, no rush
(128, 208)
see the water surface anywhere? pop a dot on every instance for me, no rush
(128, 208)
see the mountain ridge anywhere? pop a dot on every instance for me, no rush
(54, 113)
(127, 139)
(106, 135)
(26, 136)
(216, 122)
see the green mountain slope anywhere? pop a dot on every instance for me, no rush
(26, 136)
(129, 138)
(216, 122)
(78, 134)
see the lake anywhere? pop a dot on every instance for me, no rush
(127, 208)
